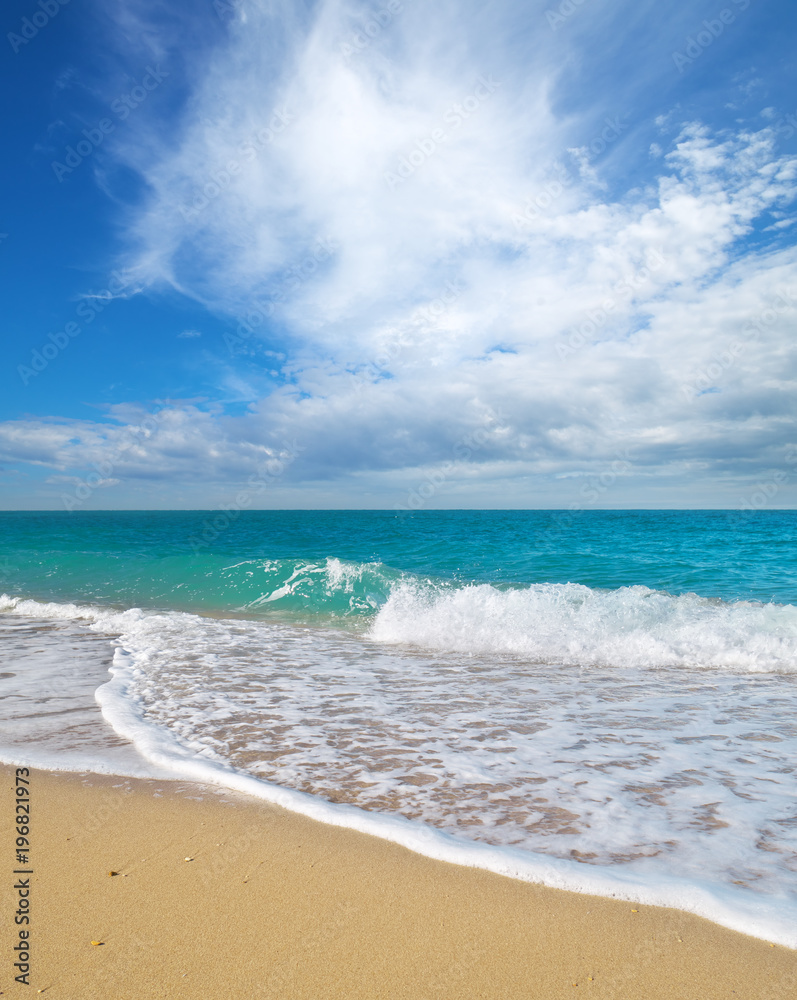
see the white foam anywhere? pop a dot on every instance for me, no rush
(723, 905)
(322, 585)
(570, 623)
(50, 671)
(467, 747)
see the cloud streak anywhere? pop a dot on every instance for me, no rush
(494, 252)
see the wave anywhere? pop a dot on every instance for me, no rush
(566, 623)
(574, 624)
(210, 582)
(327, 586)
(331, 585)
(211, 700)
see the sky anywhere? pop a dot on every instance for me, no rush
(399, 255)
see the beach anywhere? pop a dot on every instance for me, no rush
(273, 904)
(404, 769)
(398, 501)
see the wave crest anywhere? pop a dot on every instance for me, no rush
(573, 624)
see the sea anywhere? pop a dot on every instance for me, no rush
(601, 701)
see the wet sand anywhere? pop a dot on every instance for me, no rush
(272, 904)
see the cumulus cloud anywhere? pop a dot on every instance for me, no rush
(166, 443)
(427, 246)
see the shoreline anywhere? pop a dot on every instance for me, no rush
(274, 904)
(721, 903)
(716, 901)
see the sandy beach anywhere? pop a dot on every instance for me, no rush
(221, 896)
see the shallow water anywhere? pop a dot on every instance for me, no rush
(621, 739)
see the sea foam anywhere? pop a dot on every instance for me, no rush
(667, 786)
(574, 624)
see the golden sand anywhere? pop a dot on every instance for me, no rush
(147, 889)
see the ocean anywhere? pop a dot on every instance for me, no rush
(604, 701)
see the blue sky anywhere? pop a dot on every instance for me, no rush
(428, 255)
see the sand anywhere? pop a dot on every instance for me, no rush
(272, 904)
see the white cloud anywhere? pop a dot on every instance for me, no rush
(443, 252)
(167, 443)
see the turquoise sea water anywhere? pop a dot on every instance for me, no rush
(600, 700)
(201, 560)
